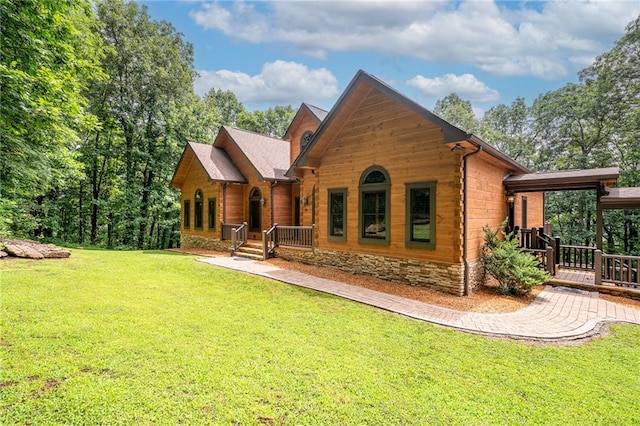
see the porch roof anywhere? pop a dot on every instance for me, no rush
(563, 180)
(621, 198)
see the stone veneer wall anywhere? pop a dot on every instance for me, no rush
(198, 242)
(445, 278)
(477, 274)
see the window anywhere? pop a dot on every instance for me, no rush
(524, 212)
(305, 139)
(186, 214)
(421, 208)
(197, 218)
(337, 214)
(374, 206)
(211, 219)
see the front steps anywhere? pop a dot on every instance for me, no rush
(249, 251)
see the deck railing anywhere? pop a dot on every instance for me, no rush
(545, 257)
(577, 257)
(238, 236)
(617, 269)
(296, 236)
(227, 229)
(269, 241)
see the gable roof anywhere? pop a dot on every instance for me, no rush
(215, 162)
(317, 113)
(451, 133)
(268, 156)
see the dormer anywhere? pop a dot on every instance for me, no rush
(303, 126)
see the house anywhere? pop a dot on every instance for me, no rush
(391, 189)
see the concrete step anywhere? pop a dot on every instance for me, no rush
(252, 250)
(248, 255)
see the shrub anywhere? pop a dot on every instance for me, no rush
(517, 272)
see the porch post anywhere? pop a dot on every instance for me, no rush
(598, 267)
(598, 222)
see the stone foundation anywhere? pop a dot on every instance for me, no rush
(441, 277)
(204, 243)
(477, 274)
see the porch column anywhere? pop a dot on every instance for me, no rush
(598, 222)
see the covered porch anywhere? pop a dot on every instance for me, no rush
(580, 266)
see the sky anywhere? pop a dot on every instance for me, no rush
(272, 53)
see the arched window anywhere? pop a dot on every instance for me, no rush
(197, 219)
(374, 206)
(305, 139)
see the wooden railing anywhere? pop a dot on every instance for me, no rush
(617, 269)
(238, 236)
(545, 257)
(296, 236)
(577, 257)
(227, 229)
(269, 241)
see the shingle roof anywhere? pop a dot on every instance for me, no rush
(269, 156)
(216, 163)
(621, 198)
(562, 180)
(318, 112)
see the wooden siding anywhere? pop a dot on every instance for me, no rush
(235, 204)
(487, 202)
(196, 178)
(305, 123)
(384, 133)
(535, 209)
(282, 202)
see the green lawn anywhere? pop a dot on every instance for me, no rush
(151, 338)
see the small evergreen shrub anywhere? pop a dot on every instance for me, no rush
(517, 272)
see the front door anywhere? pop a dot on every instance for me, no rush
(255, 210)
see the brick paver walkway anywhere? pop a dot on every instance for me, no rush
(558, 313)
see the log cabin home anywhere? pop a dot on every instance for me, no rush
(379, 185)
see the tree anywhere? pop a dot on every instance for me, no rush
(508, 128)
(151, 76)
(49, 53)
(616, 74)
(457, 112)
(273, 122)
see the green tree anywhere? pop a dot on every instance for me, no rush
(508, 128)
(151, 70)
(49, 53)
(457, 112)
(616, 74)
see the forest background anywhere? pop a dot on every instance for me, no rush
(97, 105)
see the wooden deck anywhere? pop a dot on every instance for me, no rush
(577, 276)
(585, 280)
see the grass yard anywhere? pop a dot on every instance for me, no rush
(152, 338)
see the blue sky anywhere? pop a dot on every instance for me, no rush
(288, 52)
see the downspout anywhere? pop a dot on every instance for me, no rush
(465, 213)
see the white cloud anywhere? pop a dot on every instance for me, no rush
(506, 38)
(467, 86)
(279, 82)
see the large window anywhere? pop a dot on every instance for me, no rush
(197, 218)
(337, 214)
(186, 214)
(374, 206)
(211, 219)
(420, 220)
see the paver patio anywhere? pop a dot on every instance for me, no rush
(557, 314)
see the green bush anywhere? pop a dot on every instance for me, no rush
(517, 272)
